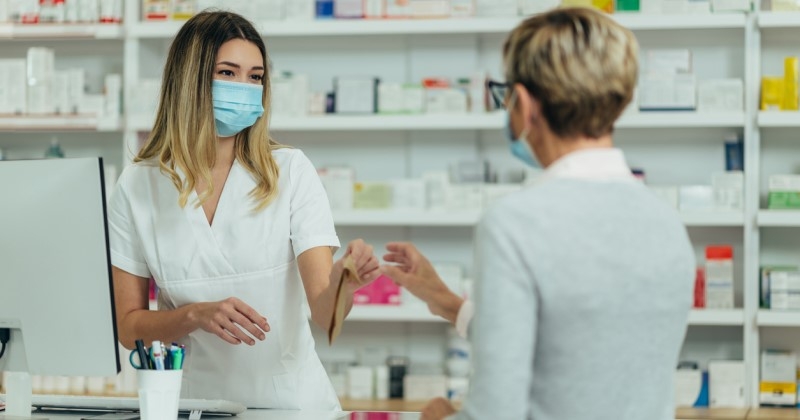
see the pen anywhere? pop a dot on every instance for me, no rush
(158, 355)
(143, 359)
(177, 364)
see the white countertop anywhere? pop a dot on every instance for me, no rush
(255, 415)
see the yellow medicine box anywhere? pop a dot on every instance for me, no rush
(771, 93)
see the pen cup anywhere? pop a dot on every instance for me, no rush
(159, 393)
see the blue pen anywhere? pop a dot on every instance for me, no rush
(158, 355)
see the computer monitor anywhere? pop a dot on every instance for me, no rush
(56, 294)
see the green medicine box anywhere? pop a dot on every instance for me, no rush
(784, 200)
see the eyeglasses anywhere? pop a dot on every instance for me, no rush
(499, 91)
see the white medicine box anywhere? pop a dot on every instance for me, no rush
(356, 95)
(778, 378)
(726, 384)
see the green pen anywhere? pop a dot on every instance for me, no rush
(177, 360)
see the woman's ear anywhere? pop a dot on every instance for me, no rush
(529, 106)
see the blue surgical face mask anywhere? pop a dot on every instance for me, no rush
(236, 106)
(519, 145)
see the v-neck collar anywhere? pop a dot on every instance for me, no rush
(207, 233)
(221, 203)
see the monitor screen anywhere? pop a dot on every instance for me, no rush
(56, 294)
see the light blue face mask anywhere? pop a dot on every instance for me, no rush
(519, 145)
(236, 106)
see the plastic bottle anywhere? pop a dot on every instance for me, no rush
(54, 151)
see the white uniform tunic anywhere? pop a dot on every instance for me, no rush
(243, 254)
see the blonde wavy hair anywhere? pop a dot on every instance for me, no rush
(184, 136)
(579, 64)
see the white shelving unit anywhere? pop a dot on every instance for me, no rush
(634, 21)
(768, 119)
(74, 32)
(489, 121)
(717, 317)
(471, 218)
(779, 218)
(768, 318)
(392, 313)
(142, 41)
(771, 20)
(59, 123)
(420, 313)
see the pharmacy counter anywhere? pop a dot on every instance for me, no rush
(257, 415)
(774, 414)
(712, 414)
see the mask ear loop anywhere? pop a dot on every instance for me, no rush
(512, 101)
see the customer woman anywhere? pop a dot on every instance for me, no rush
(235, 229)
(584, 280)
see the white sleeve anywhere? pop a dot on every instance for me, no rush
(503, 332)
(125, 245)
(311, 218)
(464, 318)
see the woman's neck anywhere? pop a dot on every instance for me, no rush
(225, 151)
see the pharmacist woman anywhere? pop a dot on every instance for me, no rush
(584, 280)
(235, 229)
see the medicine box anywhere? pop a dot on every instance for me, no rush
(719, 277)
(728, 190)
(338, 183)
(696, 197)
(372, 195)
(409, 194)
(691, 388)
(667, 193)
(720, 95)
(778, 378)
(356, 95)
(531, 7)
(359, 382)
(12, 86)
(424, 387)
(398, 9)
(726, 384)
(658, 92)
(784, 192)
(462, 8)
(422, 9)
(348, 8)
(496, 8)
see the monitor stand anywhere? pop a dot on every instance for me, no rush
(18, 397)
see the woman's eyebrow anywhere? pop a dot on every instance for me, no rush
(234, 65)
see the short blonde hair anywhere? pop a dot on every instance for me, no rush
(579, 64)
(184, 135)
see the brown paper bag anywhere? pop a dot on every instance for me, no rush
(349, 274)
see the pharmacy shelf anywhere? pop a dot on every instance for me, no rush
(779, 218)
(716, 317)
(680, 119)
(366, 122)
(47, 31)
(639, 21)
(471, 218)
(712, 218)
(488, 121)
(777, 318)
(779, 119)
(685, 413)
(779, 19)
(419, 313)
(392, 313)
(334, 27)
(58, 123)
(405, 218)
